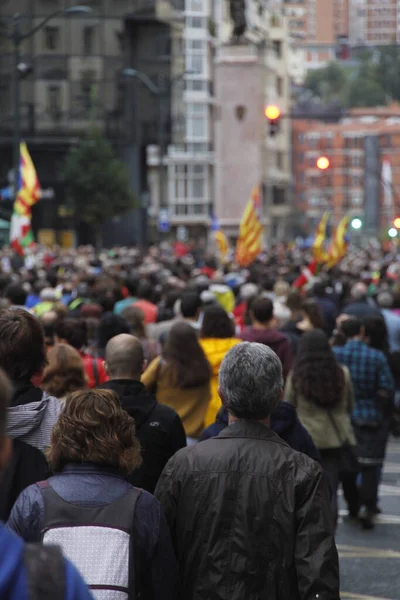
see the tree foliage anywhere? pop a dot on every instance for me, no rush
(372, 78)
(97, 181)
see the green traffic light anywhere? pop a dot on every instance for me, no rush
(356, 223)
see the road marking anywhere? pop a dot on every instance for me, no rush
(349, 596)
(379, 519)
(364, 552)
(391, 468)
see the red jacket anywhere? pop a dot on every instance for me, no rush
(95, 371)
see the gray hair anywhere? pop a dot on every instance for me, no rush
(250, 380)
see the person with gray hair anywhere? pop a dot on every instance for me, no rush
(249, 516)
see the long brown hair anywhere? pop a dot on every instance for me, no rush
(65, 372)
(93, 427)
(317, 375)
(184, 357)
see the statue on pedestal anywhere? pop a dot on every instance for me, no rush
(238, 16)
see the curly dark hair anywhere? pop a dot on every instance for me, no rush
(93, 427)
(316, 374)
(216, 323)
(185, 358)
(65, 372)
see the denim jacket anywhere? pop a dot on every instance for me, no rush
(94, 485)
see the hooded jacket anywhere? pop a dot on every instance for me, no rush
(215, 350)
(273, 338)
(158, 429)
(250, 518)
(32, 415)
(13, 582)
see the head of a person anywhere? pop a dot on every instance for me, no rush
(94, 428)
(65, 372)
(281, 289)
(22, 344)
(352, 328)
(15, 294)
(191, 306)
(261, 310)
(144, 290)
(295, 302)
(110, 326)
(385, 300)
(131, 285)
(5, 399)
(376, 333)
(124, 357)
(216, 323)
(316, 374)
(319, 289)
(250, 381)
(313, 313)
(134, 316)
(359, 291)
(187, 364)
(72, 332)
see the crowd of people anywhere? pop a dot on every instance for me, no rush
(180, 429)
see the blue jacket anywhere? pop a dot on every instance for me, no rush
(13, 585)
(284, 422)
(94, 485)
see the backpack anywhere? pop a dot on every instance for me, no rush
(98, 540)
(45, 572)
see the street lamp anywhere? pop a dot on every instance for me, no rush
(16, 37)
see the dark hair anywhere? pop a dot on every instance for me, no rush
(5, 398)
(185, 358)
(144, 290)
(16, 294)
(65, 372)
(132, 285)
(216, 323)
(319, 289)
(73, 331)
(110, 326)
(134, 316)
(294, 301)
(190, 305)
(22, 348)
(377, 333)
(316, 374)
(313, 312)
(93, 427)
(351, 327)
(262, 309)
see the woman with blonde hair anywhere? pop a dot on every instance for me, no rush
(65, 372)
(116, 534)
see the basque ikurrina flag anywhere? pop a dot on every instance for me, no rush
(28, 194)
(249, 244)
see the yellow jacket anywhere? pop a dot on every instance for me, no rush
(215, 350)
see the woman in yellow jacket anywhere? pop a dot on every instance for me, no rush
(180, 378)
(217, 337)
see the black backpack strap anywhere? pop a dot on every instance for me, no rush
(134, 554)
(96, 372)
(45, 572)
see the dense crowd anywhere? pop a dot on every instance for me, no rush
(180, 428)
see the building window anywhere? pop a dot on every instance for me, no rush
(196, 22)
(190, 189)
(277, 47)
(88, 39)
(196, 56)
(87, 83)
(279, 86)
(301, 138)
(196, 6)
(197, 121)
(279, 160)
(51, 37)
(54, 100)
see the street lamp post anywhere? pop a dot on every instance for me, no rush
(16, 37)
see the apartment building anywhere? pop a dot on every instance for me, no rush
(357, 148)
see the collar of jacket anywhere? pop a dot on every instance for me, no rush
(90, 469)
(250, 429)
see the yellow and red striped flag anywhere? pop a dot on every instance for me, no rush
(28, 186)
(340, 243)
(249, 244)
(220, 239)
(319, 251)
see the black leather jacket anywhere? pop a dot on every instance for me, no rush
(250, 519)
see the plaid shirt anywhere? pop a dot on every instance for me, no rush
(369, 372)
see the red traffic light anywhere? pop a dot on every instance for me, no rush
(272, 112)
(323, 163)
(396, 222)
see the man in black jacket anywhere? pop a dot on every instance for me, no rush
(249, 516)
(158, 427)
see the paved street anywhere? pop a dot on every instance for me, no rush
(370, 561)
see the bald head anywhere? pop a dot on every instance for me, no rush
(124, 357)
(359, 291)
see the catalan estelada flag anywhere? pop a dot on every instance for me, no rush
(249, 244)
(220, 239)
(319, 252)
(340, 242)
(28, 193)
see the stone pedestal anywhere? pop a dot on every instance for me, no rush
(239, 127)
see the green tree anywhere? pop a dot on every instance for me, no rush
(328, 83)
(366, 92)
(97, 182)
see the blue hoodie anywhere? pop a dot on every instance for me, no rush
(13, 584)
